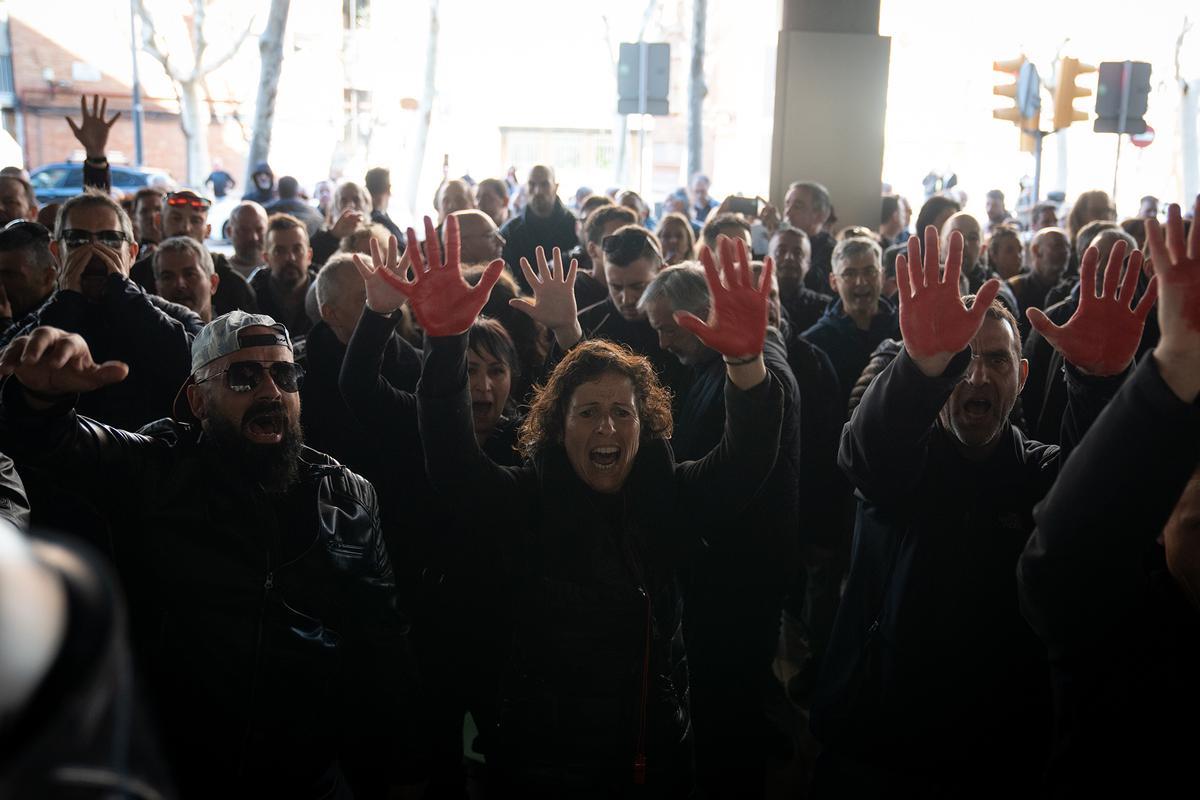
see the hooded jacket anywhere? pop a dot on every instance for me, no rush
(848, 347)
(261, 196)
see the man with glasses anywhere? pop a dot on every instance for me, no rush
(261, 597)
(185, 213)
(858, 319)
(93, 244)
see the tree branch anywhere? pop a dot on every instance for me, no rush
(216, 63)
(150, 41)
(199, 43)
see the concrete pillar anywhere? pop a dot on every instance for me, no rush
(831, 81)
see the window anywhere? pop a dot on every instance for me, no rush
(48, 178)
(127, 178)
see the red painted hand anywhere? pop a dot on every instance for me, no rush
(934, 321)
(1102, 336)
(737, 320)
(444, 303)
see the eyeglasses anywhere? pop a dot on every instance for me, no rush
(852, 275)
(21, 232)
(74, 237)
(245, 376)
(188, 200)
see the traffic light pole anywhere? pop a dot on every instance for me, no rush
(1037, 165)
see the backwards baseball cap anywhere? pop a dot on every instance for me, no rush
(225, 335)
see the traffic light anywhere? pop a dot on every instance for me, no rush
(1110, 88)
(1065, 92)
(1025, 112)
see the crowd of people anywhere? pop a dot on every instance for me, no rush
(547, 501)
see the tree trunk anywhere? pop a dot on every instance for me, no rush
(697, 89)
(194, 121)
(270, 51)
(425, 112)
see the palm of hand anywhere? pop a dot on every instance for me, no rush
(737, 321)
(936, 321)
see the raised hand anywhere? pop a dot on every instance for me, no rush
(92, 130)
(737, 319)
(1102, 336)
(1177, 268)
(382, 296)
(52, 363)
(347, 223)
(934, 321)
(553, 303)
(444, 303)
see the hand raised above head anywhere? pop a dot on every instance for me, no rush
(1177, 267)
(92, 130)
(52, 362)
(737, 318)
(1103, 334)
(553, 303)
(934, 321)
(382, 296)
(444, 303)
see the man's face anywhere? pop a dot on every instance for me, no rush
(247, 231)
(905, 213)
(1046, 218)
(263, 181)
(800, 211)
(187, 221)
(674, 241)
(602, 432)
(349, 199)
(1009, 254)
(496, 207)
(792, 255)
(145, 219)
(859, 282)
(979, 406)
(1181, 538)
(995, 209)
(481, 240)
(14, 203)
(288, 257)
(94, 219)
(260, 428)
(774, 304)
(700, 191)
(1051, 252)
(681, 343)
(456, 196)
(626, 284)
(180, 279)
(972, 238)
(1149, 208)
(25, 285)
(490, 380)
(543, 191)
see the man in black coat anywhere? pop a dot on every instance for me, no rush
(933, 683)
(735, 588)
(260, 593)
(1109, 579)
(545, 222)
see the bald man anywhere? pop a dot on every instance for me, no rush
(974, 271)
(545, 221)
(481, 239)
(248, 232)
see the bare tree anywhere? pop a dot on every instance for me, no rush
(697, 89)
(1189, 112)
(270, 51)
(188, 79)
(425, 111)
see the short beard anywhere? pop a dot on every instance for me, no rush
(275, 467)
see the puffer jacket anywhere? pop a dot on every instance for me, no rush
(598, 617)
(265, 625)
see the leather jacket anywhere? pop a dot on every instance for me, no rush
(265, 624)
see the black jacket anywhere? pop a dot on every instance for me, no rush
(848, 347)
(932, 676)
(298, 324)
(523, 233)
(805, 309)
(604, 321)
(820, 262)
(600, 579)
(299, 209)
(265, 624)
(14, 506)
(1124, 641)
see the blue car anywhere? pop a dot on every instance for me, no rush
(53, 183)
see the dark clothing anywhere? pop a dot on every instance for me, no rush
(702, 210)
(821, 263)
(298, 323)
(932, 677)
(734, 589)
(300, 210)
(588, 290)
(524, 232)
(598, 620)
(604, 321)
(14, 506)
(848, 347)
(264, 623)
(1044, 398)
(261, 196)
(381, 218)
(979, 274)
(1124, 641)
(233, 291)
(221, 182)
(324, 244)
(805, 309)
(1029, 292)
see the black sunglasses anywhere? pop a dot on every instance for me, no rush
(245, 376)
(74, 237)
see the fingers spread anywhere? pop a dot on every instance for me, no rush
(953, 260)
(1132, 271)
(766, 280)
(932, 251)
(433, 249)
(1042, 324)
(1112, 271)
(488, 280)
(690, 322)
(1087, 275)
(526, 270)
(710, 270)
(903, 289)
(414, 253)
(523, 304)
(1147, 302)
(987, 293)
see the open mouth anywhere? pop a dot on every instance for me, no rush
(481, 409)
(264, 428)
(604, 458)
(977, 408)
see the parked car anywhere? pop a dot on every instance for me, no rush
(53, 183)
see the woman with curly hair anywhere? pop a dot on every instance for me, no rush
(599, 517)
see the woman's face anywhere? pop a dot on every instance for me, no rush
(491, 380)
(673, 242)
(602, 431)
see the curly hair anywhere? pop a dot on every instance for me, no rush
(545, 424)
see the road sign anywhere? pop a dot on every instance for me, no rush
(1142, 139)
(1122, 94)
(643, 90)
